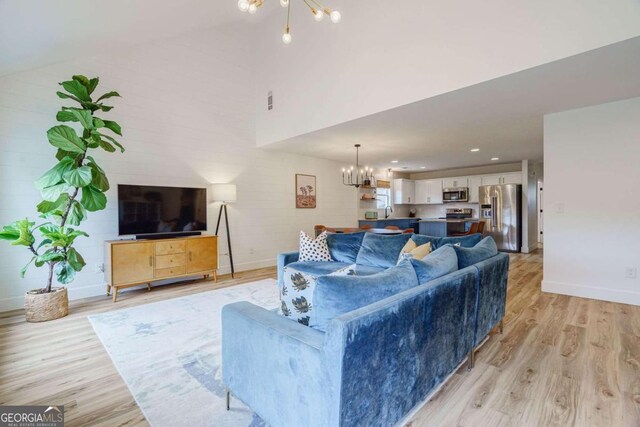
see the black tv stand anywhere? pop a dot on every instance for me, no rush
(167, 235)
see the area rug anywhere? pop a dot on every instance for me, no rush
(169, 355)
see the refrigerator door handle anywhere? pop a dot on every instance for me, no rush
(494, 212)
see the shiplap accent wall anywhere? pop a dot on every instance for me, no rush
(188, 117)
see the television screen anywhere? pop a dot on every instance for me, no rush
(149, 210)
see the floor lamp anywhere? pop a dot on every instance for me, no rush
(224, 193)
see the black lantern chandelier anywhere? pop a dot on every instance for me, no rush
(355, 176)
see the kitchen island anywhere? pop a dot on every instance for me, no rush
(441, 227)
(401, 222)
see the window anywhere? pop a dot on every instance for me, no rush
(383, 198)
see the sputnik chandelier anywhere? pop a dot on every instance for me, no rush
(317, 10)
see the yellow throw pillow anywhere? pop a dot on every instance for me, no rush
(411, 249)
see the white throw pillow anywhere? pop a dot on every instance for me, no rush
(314, 249)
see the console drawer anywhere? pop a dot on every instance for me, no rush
(167, 261)
(170, 247)
(170, 272)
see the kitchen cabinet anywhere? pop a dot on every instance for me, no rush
(403, 191)
(505, 178)
(456, 182)
(428, 192)
(474, 189)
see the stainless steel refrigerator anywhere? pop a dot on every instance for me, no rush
(501, 209)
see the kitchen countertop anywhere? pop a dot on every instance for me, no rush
(390, 219)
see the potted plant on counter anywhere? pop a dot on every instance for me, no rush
(74, 186)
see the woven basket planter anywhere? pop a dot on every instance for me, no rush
(40, 307)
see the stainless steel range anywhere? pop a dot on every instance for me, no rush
(457, 226)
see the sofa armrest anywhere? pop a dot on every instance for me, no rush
(273, 364)
(284, 259)
(493, 275)
(397, 350)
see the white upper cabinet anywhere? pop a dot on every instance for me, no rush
(456, 182)
(428, 192)
(403, 191)
(474, 189)
(504, 178)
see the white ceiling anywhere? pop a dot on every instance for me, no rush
(35, 33)
(502, 117)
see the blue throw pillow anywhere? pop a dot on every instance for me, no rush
(465, 241)
(438, 263)
(421, 239)
(483, 250)
(336, 295)
(378, 250)
(344, 247)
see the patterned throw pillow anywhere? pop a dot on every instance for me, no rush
(296, 293)
(314, 249)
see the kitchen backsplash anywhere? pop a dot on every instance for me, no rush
(437, 211)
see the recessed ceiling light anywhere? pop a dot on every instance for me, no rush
(423, 167)
(394, 161)
(475, 150)
(495, 158)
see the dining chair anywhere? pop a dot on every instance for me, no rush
(392, 227)
(473, 229)
(366, 227)
(408, 231)
(318, 229)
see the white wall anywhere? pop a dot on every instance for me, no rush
(592, 201)
(384, 54)
(188, 116)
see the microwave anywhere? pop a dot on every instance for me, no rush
(451, 195)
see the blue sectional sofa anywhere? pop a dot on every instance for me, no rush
(370, 366)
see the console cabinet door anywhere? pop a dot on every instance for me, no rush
(132, 262)
(202, 254)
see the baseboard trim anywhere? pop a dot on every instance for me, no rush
(17, 302)
(591, 292)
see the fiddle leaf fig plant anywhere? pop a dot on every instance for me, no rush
(74, 186)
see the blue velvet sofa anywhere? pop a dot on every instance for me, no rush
(370, 366)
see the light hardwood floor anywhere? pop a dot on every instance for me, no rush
(562, 361)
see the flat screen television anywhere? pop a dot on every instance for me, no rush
(161, 211)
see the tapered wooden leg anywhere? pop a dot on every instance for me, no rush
(228, 393)
(149, 287)
(108, 289)
(115, 294)
(471, 359)
(215, 275)
(501, 327)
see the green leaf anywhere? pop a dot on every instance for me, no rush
(107, 147)
(43, 243)
(19, 233)
(54, 175)
(46, 207)
(93, 199)
(65, 96)
(82, 79)
(105, 108)
(61, 154)
(65, 138)
(77, 213)
(108, 95)
(64, 272)
(113, 126)
(83, 116)
(99, 180)
(75, 260)
(24, 269)
(80, 177)
(98, 123)
(52, 193)
(113, 141)
(93, 83)
(51, 255)
(76, 89)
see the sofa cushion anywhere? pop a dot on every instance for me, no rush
(485, 249)
(378, 250)
(344, 247)
(412, 250)
(468, 241)
(298, 284)
(336, 295)
(314, 249)
(438, 263)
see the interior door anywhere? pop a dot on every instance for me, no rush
(202, 255)
(132, 262)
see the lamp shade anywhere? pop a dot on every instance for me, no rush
(223, 193)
